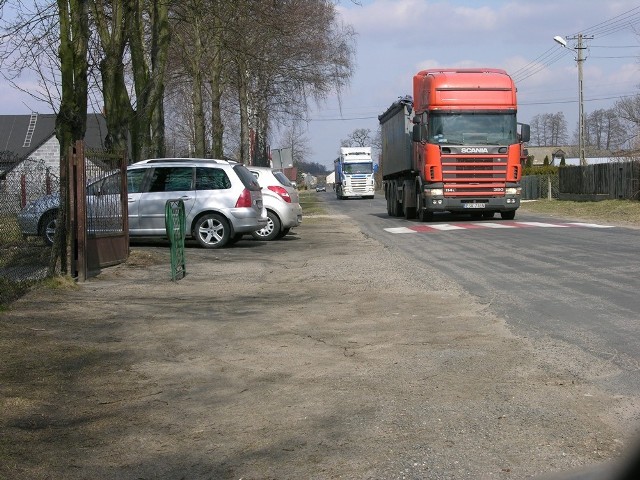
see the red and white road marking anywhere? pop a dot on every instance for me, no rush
(442, 227)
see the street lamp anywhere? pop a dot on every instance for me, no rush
(579, 48)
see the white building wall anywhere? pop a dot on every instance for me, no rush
(49, 152)
(36, 176)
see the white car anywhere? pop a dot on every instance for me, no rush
(281, 200)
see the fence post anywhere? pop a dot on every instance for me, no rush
(48, 180)
(549, 195)
(23, 190)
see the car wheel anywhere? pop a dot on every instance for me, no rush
(271, 230)
(212, 231)
(283, 233)
(48, 227)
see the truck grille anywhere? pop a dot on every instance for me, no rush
(359, 184)
(466, 176)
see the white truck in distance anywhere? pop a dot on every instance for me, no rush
(354, 173)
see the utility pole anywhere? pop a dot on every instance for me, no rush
(580, 58)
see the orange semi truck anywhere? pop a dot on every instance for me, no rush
(455, 146)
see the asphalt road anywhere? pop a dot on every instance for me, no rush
(576, 285)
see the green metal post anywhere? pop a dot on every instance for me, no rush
(175, 225)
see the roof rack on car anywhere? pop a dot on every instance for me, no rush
(192, 160)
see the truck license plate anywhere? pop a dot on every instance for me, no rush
(474, 205)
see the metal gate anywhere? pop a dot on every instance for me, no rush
(99, 221)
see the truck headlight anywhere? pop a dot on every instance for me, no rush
(434, 192)
(513, 191)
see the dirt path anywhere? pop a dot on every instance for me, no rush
(312, 358)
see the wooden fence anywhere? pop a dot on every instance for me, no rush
(600, 181)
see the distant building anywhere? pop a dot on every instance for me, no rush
(331, 179)
(28, 146)
(24, 137)
(570, 154)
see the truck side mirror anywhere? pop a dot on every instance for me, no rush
(417, 133)
(525, 132)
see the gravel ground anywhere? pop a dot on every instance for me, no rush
(321, 356)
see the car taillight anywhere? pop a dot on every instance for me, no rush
(244, 200)
(280, 191)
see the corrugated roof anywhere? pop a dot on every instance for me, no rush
(14, 130)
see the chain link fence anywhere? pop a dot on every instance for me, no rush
(535, 187)
(23, 259)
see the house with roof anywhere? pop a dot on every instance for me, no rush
(30, 153)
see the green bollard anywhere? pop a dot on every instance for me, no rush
(175, 225)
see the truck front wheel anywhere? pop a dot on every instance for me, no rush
(508, 215)
(422, 213)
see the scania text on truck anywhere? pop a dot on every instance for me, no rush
(354, 173)
(455, 146)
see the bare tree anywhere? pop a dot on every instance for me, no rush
(548, 129)
(628, 111)
(604, 130)
(111, 20)
(360, 137)
(283, 55)
(294, 137)
(29, 40)
(149, 36)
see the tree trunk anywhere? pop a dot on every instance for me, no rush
(112, 30)
(147, 127)
(71, 120)
(198, 116)
(117, 105)
(243, 101)
(217, 127)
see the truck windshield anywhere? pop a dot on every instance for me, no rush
(351, 168)
(471, 128)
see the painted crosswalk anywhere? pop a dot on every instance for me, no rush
(444, 227)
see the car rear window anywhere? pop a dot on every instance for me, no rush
(171, 179)
(248, 180)
(134, 179)
(282, 178)
(211, 179)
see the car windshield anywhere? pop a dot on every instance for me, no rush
(472, 128)
(351, 168)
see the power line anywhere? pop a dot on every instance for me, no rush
(594, 99)
(620, 56)
(622, 21)
(614, 24)
(615, 46)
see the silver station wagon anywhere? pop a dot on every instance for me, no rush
(222, 201)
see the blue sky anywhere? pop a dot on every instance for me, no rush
(397, 38)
